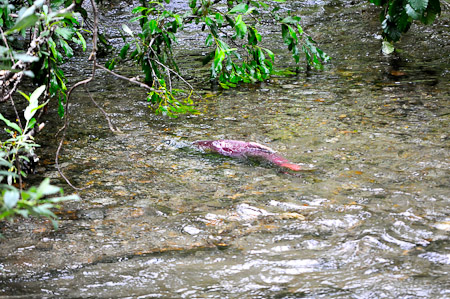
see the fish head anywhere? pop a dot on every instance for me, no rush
(203, 144)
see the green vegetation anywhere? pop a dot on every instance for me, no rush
(15, 151)
(397, 16)
(31, 202)
(233, 37)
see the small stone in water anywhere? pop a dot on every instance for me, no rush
(192, 230)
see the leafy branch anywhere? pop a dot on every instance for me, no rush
(397, 16)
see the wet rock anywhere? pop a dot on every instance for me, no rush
(105, 201)
(192, 230)
(91, 214)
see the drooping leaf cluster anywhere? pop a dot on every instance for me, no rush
(241, 21)
(53, 31)
(31, 202)
(236, 53)
(151, 48)
(398, 15)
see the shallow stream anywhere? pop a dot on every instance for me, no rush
(368, 218)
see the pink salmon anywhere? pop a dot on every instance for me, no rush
(243, 149)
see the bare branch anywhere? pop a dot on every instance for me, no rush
(83, 82)
(171, 70)
(111, 126)
(143, 85)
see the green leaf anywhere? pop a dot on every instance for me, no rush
(224, 86)
(127, 29)
(23, 213)
(178, 19)
(241, 8)
(192, 3)
(25, 57)
(261, 56)
(387, 47)
(67, 49)
(139, 9)
(153, 26)
(36, 94)
(44, 210)
(63, 198)
(29, 74)
(285, 34)
(433, 9)
(10, 198)
(31, 108)
(241, 28)
(293, 34)
(46, 189)
(209, 40)
(23, 23)
(223, 44)
(377, 2)
(219, 19)
(300, 29)
(418, 5)
(82, 40)
(64, 32)
(11, 124)
(291, 20)
(52, 46)
(412, 13)
(132, 20)
(253, 36)
(270, 53)
(218, 58)
(6, 163)
(229, 20)
(110, 64)
(31, 123)
(123, 51)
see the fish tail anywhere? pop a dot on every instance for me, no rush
(291, 166)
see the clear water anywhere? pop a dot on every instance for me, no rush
(369, 219)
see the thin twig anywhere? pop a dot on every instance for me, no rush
(171, 70)
(170, 80)
(111, 126)
(15, 110)
(66, 106)
(10, 96)
(143, 85)
(83, 82)
(64, 129)
(6, 45)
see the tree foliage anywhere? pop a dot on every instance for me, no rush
(233, 36)
(398, 15)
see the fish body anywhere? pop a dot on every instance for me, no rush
(244, 149)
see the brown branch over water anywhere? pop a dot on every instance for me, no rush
(111, 126)
(95, 66)
(143, 85)
(93, 57)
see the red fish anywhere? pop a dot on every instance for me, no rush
(243, 149)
